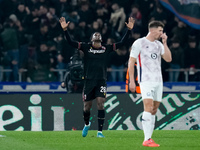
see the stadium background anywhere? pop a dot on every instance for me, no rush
(38, 103)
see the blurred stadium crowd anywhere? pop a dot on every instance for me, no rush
(32, 41)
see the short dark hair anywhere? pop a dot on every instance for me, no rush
(156, 24)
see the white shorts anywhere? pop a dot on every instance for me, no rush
(152, 90)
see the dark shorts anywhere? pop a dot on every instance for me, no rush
(93, 89)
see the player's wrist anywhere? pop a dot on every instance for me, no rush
(64, 29)
(130, 28)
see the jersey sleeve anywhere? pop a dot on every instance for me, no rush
(162, 48)
(123, 40)
(73, 43)
(135, 49)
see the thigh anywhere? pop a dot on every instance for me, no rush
(101, 88)
(147, 90)
(89, 90)
(158, 92)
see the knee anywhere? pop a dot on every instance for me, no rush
(148, 108)
(100, 106)
(154, 111)
(87, 107)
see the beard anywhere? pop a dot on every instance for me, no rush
(97, 40)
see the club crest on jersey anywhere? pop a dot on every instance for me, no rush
(148, 94)
(154, 55)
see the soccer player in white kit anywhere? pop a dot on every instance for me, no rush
(147, 52)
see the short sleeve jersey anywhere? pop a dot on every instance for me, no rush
(148, 55)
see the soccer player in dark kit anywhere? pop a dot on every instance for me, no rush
(95, 72)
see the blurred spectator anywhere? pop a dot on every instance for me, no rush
(192, 59)
(117, 18)
(63, 7)
(100, 22)
(81, 30)
(136, 14)
(145, 7)
(28, 62)
(43, 12)
(43, 56)
(177, 60)
(61, 64)
(42, 72)
(72, 30)
(158, 14)
(95, 27)
(52, 46)
(86, 13)
(23, 39)
(41, 35)
(33, 21)
(54, 29)
(118, 64)
(102, 12)
(52, 11)
(22, 12)
(9, 40)
(180, 32)
(72, 17)
(106, 32)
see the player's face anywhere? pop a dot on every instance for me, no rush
(157, 32)
(96, 37)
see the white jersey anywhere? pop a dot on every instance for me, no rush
(148, 56)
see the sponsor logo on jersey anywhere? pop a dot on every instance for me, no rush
(96, 51)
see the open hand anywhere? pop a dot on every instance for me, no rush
(130, 23)
(63, 23)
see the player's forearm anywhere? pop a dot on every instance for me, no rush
(124, 39)
(131, 71)
(167, 55)
(70, 41)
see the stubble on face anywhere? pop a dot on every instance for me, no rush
(158, 33)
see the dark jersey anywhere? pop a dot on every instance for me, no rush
(95, 59)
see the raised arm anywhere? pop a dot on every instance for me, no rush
(167, 56)
(64, 26)
(130, 26)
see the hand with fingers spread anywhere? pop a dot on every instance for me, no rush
(130, 23)
(63, 23)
